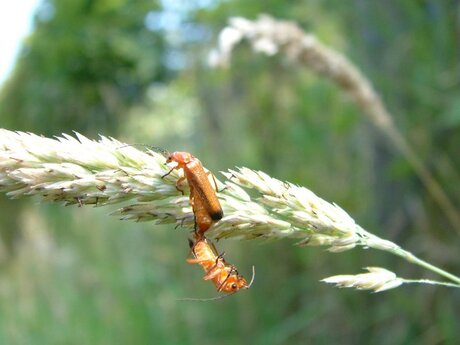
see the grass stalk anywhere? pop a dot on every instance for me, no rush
(79, 171)
(270, 36)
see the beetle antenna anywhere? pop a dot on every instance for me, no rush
(206, 299)
(156, 149)
(252, 278)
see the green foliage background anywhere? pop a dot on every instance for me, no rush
(136, 70)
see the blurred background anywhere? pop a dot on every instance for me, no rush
(137, 70)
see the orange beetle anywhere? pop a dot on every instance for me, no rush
(203, 199)
(224, 276)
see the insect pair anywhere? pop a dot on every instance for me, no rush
(207, 210)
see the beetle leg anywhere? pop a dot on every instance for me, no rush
(169, 172)
(195, 261)
(178, 183)
(212, 273)
(215, 182)
(219, 289)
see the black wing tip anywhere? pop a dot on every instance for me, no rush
(217, 215)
